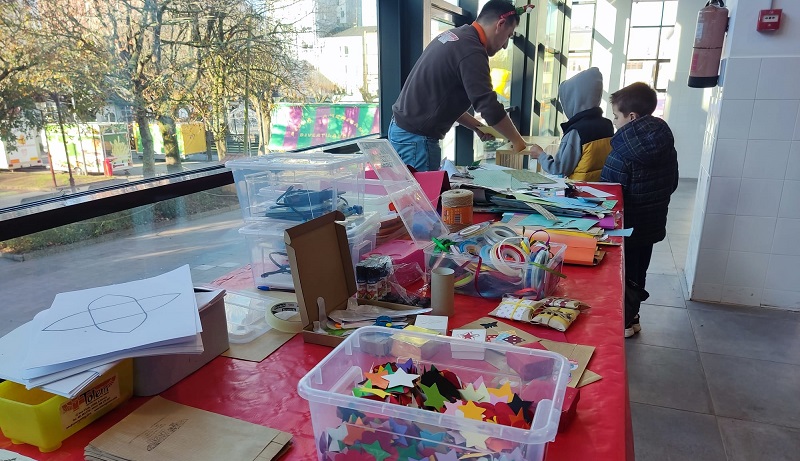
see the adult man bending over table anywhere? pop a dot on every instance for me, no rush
(452, 75)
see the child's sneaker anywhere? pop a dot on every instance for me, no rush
(633, 328)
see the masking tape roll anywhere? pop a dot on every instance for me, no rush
(284, 317)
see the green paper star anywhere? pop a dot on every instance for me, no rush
(433, 398)
(375, 450)
(409, 452)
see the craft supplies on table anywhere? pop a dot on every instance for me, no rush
(556, 313)
(494, 260)
(346, 424)
(45, 420)
(457, 209)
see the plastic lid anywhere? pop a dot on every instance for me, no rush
(419, 216)
(312, 161)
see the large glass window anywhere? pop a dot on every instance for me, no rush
(551, 69)
(652, 46)
(102, 92)
(581, 37)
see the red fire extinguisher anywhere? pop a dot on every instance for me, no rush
(712, 23)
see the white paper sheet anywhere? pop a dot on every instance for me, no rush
(596, 192)
(100, 322)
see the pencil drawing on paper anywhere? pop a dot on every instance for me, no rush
(113, 313)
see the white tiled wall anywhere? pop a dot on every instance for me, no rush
(747, 248)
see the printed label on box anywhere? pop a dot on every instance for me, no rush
(92, 400)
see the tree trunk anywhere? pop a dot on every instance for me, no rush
(170, 136)
(222, 146)
(264, 114)
(209, 142)
(148, 154)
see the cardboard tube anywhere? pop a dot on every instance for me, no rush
(442, 280)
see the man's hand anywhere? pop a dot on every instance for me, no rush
(484, 136)
(536, 150)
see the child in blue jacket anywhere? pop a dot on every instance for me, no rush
(644, 161)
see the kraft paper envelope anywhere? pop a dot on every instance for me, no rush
(162, 430)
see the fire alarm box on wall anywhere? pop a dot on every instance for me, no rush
(769, 20)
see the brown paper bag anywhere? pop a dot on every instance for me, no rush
(162, 430)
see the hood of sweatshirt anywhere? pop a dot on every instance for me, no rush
(581, 92)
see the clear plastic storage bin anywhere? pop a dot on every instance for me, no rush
(299, 186)
(476, 276)
(335, 412)
(269, 261)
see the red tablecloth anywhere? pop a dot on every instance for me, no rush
(265, 393)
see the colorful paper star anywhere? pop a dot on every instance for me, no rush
(354, 434)
(376, 450)
(337, 435)
(471, 411)
(399, 430)
(469, 393)
(433, 398)
(503, 391)
(449, 456)
(450, 408)
(474, 439)
(401, 378)
(408, 452)
(458, 439)
(431, 439)
(406, 366)
(378, 378)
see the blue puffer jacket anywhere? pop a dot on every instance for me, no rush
(643, 159)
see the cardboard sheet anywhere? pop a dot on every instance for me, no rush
(161, 429)
(578, 355)
(259, 348)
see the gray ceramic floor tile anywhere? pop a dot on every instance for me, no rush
(662, 263)
(766, 312)
(746, 441)
(754, 390)
(679, 226)
(665, 326)
(751, 333)
(662, 247)
(679, 243)
(665, 377)
(661, 434)
(665, 290)
(679, 258)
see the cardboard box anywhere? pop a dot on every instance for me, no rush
(322, 269)
(154, 374)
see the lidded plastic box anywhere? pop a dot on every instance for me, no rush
(269, 260)
(410, 201)
(299, 186)
(45, 420)
(337, 414)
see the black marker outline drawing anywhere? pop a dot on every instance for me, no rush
(103, 321)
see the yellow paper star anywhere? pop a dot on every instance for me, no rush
(472, 411)
(503, 391)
